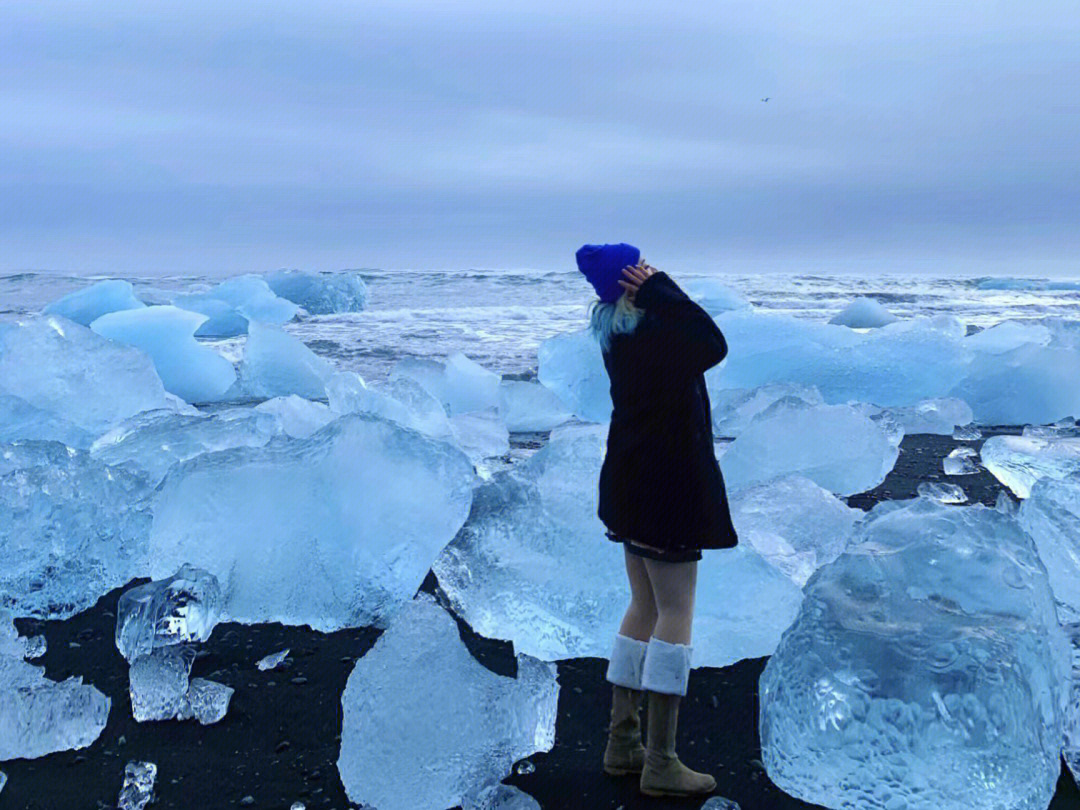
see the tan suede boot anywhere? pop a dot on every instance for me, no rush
(624, 753)
(663, 774)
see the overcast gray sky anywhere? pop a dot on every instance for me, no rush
(898, 134)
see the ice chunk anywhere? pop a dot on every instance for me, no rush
(320, 293)
(794, 524)
(297, 416)
(481, 434)
(1019, 461)
(59, 366)
(939, 416)
(188, 369)
(205, 701)
(967, 433)
(572, 366)
(941, 492)
(460, 384)
(499, 797)
(158, 682)
(453, 735)
(835, 446)
(185, 607)
(35, 647)
(532, 565)
(138, 788)
(1059, 429)
(1051, 515)
(21, 420)
(720, 803)
(1071, 747)
(331, 506)
(71, 528)
(734, 408)
(277, 364)
(1008, 335)
(153, 441)
(39, 716)
(248, 296)
(402, 400)
(1024, 385)
(222, 319)
(530, 406)
(87, 305)
(3, 781)
(926, 669)
(713, 296)
(863, 313)
(272, 661)
(960, 461)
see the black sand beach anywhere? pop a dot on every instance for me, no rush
(278, 743)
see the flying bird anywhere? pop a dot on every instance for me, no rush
(766, 98)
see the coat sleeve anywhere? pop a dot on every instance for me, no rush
(691, 340)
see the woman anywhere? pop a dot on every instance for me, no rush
(661, 495)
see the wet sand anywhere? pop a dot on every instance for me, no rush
(278, 744)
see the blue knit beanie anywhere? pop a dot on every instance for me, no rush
(603, 265)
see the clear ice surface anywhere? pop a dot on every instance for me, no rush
(1019, 461)
(21, 420)
(445, 737)
(183, 608)
(793, 523)
(733, 409)
(192, 371)
(941, 491)
(155, 441)
(835, 446)
(1051, 515)
(205, 701)
(330, 506)
(272, 661)
(277, 364)
(460, 384)
(320, 293)
(925, 671)
(499, 797)
(90, 303)
(480, 434)
(532, 565)
(863, 313)
(714, 297)
(71, 528)
(297, 416)
(572, 366)
(960, 461)
(1008, 335)
(530, 406)
(88, 380)
(1071, 747)
(967, 433)
(158, 682)
(39, 716)
(939, 416)
(138, 788)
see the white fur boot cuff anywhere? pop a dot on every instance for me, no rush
(667, 667)
(627, 659)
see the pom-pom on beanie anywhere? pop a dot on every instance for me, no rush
(602, 265)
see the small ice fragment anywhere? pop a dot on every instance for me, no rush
(967, 433)
(863, 313)
(720, 803)
(525, 766)
(205, 701)
(185, 607)
(138, 787)
(499, 797)
(35, 647)
(298, 806)
(3, 781)
(960, 462)
(941, 492)
(272, 661)
(158, 682)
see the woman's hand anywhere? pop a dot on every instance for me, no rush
(636, 275)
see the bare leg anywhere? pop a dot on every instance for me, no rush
(673, 586)
(640, 616)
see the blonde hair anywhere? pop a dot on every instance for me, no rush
(610, 318)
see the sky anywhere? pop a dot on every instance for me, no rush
(210, 137)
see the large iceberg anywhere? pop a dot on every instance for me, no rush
(1019, 461)
(71, 528)
(90, 303)
(316, 531)
(572, 366)
(90, 381)
(460, 384)
(193, 372)
(835, 446)
(532, 565)
(276, 364)
(530, 406)
(863, 313)
(926, 670)
(39, 716)
(794, 524)
(320, 293)
(153, 441)
(425, 724)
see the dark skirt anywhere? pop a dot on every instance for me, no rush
(683, 555)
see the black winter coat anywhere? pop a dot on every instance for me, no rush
(660, 483)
